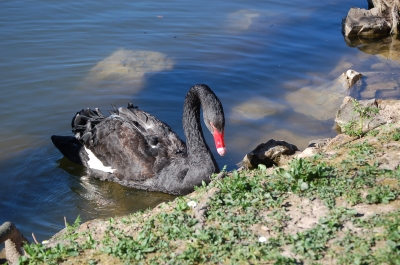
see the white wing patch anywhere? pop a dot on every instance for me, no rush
(95, 163)
(148, 126)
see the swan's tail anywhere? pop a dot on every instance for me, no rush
(71, 148)
(84, 121)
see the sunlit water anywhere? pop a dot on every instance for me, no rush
(57, 58)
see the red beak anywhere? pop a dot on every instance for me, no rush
(219, 142)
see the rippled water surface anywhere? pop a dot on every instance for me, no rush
(57, 58)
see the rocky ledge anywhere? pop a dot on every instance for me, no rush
(381, 19)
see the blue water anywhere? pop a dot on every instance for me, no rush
(57, 58)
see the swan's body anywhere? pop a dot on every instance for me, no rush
(136, 149)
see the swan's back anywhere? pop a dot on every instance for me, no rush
(132, 145)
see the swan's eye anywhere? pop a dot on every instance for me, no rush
(215, 129)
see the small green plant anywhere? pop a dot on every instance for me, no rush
(354, 128)
(39, 254)
(70, 232)
(396, 136)
(351, 129)
(302, 172)
(373, 133)
(381, 194)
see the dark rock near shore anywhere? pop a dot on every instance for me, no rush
(268, 154)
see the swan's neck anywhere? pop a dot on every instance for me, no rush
(196, 145)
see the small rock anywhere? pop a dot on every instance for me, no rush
(351, 77)
(268, 154)
(309, 151)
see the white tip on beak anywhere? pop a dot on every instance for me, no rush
(221, 151)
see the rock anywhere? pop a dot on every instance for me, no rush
(321, 102)
(389, 161)
(13, 239)
(126, 69)
(257, 108)
(338, 140)
(347, 114)
(389, 113)
(361, 22)
(380, 85)
(350, 78)
(268, 154)
(313, 148)
(319, 143)
(381, 19)
(308, 152)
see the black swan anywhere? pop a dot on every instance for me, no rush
(135, 149)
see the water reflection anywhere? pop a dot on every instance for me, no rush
(103, 198)
(388, 48)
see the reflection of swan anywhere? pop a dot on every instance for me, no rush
(85, 187)
(93, 193)
(135, 149)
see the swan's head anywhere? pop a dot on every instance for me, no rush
(213, 115)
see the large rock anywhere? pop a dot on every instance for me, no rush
(361, 22)
(321, 102)
(126, 70)
(379, 85)
(257, 108)
(381, 19)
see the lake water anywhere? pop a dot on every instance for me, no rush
(57, 58)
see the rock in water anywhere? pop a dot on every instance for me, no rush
(381, 19)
